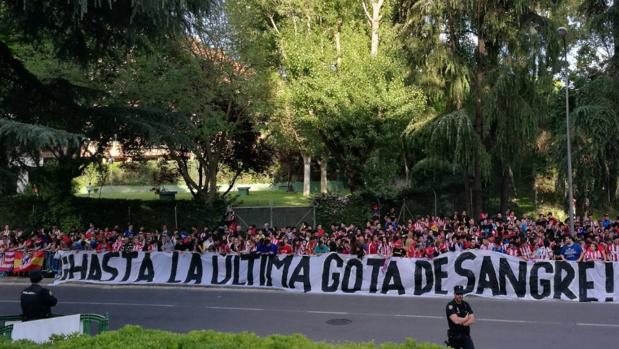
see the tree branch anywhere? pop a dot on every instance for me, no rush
(232, 182)
(365, 9)
(270, 16)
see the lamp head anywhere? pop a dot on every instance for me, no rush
(562, 31)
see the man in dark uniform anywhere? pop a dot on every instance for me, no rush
(36, 301)
(460, 317)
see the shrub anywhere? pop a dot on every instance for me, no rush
(27, 212)
(134, 337)
(334, 208)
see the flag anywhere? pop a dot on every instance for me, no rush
(25, 262)
(6, 261)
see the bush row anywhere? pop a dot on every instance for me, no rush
(28, 212)
(134, 337)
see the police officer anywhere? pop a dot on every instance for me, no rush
(460, 317)
(36, 301)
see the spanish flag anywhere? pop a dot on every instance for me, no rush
(28, 261)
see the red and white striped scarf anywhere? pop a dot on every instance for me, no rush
(138, 246)
(117, 246)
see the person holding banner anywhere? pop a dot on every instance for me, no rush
(571, 251)
(460, 317)
(36, 301)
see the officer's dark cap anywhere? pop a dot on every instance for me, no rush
(458, 290)
(36, 276)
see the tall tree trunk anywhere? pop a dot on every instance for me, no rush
(613, 174)
(8, 176)
(323, 175)
(613, 190)
(405, 161)
(480, 82)
(307, 162)
(467, 190)
(614, 10)
(289, 176)
(374, 19)
(212, 181)
(505, 190)
(338, 46)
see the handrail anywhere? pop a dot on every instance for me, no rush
(5, 331)
(5, 318)
(101, 321)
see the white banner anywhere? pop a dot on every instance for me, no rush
(483, 273)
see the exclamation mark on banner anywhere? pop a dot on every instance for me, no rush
(610, 282)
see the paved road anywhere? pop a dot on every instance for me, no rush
(504, 324)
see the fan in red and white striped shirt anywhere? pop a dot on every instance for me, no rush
(542, 253)
(526, 251)
(513, 250)
(593, 254)
(613, 251)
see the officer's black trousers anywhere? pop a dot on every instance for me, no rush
(461, 342)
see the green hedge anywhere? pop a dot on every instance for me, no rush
(133, 337)
(332, 208)
(28, 212)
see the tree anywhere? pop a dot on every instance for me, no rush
(477, 51)
(352, 92)
(93, 35)
(594, 107)
(212, 120)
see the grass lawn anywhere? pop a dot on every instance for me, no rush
(255, 198)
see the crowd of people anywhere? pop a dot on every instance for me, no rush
(531, 239)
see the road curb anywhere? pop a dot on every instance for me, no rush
(18, 281)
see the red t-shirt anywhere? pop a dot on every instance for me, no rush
(286, 249)
(430, 250)
(372, 248)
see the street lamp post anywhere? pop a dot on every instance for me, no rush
(570, 188)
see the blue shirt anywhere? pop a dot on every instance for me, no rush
(571, 252)
(267, 249)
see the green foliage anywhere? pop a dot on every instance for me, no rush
(334, 96)
(593, 107)
(213, 106)
(493, 61)
(51, 54)
(134, 337)
(32, 212)
(332, 208)
(595, 140)
(453, 138)
(360, 108)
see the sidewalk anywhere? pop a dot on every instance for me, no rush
(19, 280)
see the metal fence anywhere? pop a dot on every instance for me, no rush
(275, 216)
